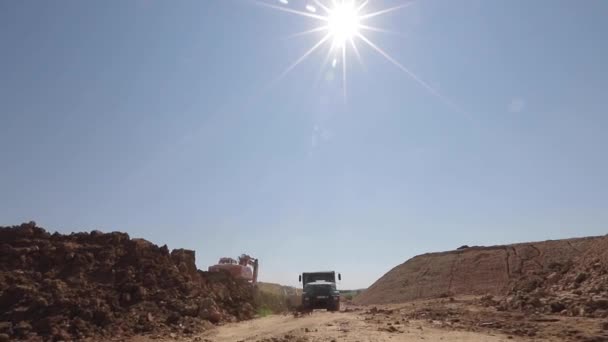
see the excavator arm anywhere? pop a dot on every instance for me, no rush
(246, 260)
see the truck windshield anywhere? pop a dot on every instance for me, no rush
(311, 277)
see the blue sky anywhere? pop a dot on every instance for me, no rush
(163, 119)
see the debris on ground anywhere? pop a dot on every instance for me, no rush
(578, 287)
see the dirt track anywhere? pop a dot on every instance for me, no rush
(344, 326)
(461, 319)
(324, 326)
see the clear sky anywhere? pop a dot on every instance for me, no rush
(167, 120)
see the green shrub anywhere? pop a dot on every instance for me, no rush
(264, 311)
(270, 299)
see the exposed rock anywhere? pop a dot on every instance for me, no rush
(557, 307)
(581, 277)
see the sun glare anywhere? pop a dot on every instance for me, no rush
(343, 23)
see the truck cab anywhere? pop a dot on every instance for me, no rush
(320, 291)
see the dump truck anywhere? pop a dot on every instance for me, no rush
(320, 291)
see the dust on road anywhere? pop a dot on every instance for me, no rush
(343, 326)
(461, 319)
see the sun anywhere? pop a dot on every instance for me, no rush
(343, 23)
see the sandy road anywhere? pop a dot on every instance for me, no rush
(458, 320)
(343, 326)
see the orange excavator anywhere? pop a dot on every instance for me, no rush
(246, 268)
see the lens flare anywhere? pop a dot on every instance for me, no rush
(344, 23)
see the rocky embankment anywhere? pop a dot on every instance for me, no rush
(102, 285)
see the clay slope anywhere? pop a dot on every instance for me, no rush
(471, 271)
(576, 288)
(70, 287)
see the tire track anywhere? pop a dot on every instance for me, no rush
(538, 255)
(526, 259)
(452, 272)
(575, 249)
(420, 276)
(507, 256)
(520, 269)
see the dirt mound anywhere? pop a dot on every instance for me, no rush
(473, 270)
(576, 288)
(64, 287)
